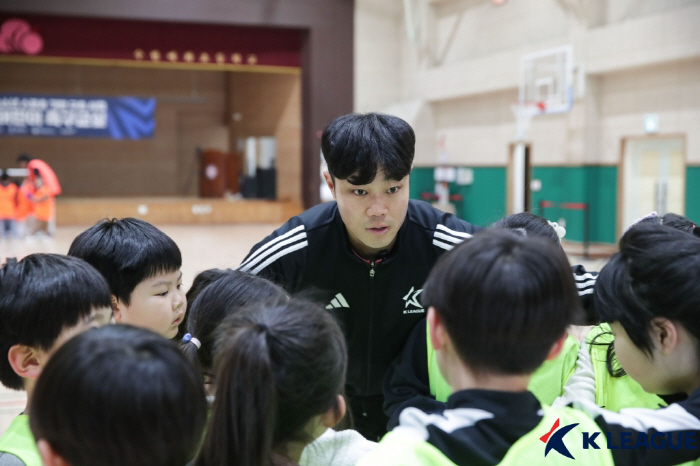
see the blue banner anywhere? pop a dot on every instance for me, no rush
(61, 116)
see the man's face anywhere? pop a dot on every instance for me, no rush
(372, 213)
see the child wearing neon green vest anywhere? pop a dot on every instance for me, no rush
(45, 299)
(414, 379)
(498, 307)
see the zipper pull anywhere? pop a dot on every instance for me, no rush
(371, 270)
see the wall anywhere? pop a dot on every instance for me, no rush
(634, 57)
(267, 104)
(189, 113)
(326, 54)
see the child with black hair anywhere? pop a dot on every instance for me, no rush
(45, 299)
(414, 379)
(200, 282)
(119, 395)
(142, 267)
(280, 372)
(599, 376)
(218, 294)
(498, 307)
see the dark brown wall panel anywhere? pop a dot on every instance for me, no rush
(327, 47)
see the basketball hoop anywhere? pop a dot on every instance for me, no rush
(524, 110)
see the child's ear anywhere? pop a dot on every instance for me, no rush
(49, 457)
(334, 415)
(556, 348)
(664, 333)
(26, 361)
(437, 331)
(116, 309)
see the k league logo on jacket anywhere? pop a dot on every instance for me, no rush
(624, 440)
(413, 306)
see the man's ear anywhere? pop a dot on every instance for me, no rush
(117, 309)
(556, 348)
(437, 332)
(49, 457)
(329, 182)
(334, 415)
(26, 361)
(664, 333)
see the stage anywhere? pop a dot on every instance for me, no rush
(173, 210)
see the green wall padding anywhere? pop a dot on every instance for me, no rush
(483, 202)
(692, 193)
(593, 185)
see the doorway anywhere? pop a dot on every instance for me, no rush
(652, 177)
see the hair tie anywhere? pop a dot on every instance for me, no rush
(188, 338)
(560, 230)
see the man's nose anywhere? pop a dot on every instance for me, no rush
(377, 208)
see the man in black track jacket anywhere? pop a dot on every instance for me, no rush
(367, 254)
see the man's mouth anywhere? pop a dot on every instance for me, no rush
(378, 230)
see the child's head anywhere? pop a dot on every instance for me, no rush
(44, 300)
(201, 281)
(280, 370)
(118, 395)
(527, 224)
(501, 302)
(649, 292)
(142, 267)
(228, 291)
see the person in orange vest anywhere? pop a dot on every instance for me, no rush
(43, 203)
(47, 174)
(23, 207)
(8, 205)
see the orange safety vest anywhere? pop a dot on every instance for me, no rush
(8, 201)
(24, 205)
(43, 210)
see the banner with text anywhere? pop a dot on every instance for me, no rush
(61, 116)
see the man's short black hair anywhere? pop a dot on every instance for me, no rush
(119, 395)
(39, 297)
(127, 252)
(23, 158)
(355, 146)
(504, 300)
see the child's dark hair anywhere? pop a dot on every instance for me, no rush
(24, 158)
(201, 281)
(228, 292)
(655, 274)
(355, 146)
(277, 367)
(672, 220)
(504, 300)
(127, 252)
(528, 224)
(40, 296)
(119, 395)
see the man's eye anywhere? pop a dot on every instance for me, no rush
(393, 189)
(359, 192)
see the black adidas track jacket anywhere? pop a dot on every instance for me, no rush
(376, 303)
